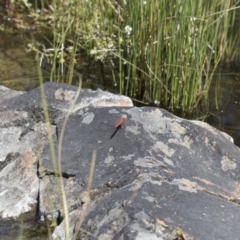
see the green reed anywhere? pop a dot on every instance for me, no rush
(159, 51)
(168, 51)
(174, 48)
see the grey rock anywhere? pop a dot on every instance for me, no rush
(19, 186)
(6, 93)
(159, 177)
(158, 167)
(59, 98)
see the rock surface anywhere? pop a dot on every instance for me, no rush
(159, 177)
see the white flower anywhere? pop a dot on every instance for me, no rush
(128, 30)
(144, 2)
(93, 51)
(192, 19)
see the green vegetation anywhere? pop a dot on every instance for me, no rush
(161, 52)
(167, 51)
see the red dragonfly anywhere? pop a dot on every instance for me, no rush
(119, 124)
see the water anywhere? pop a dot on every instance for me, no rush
(226, 117)
(18, 69)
